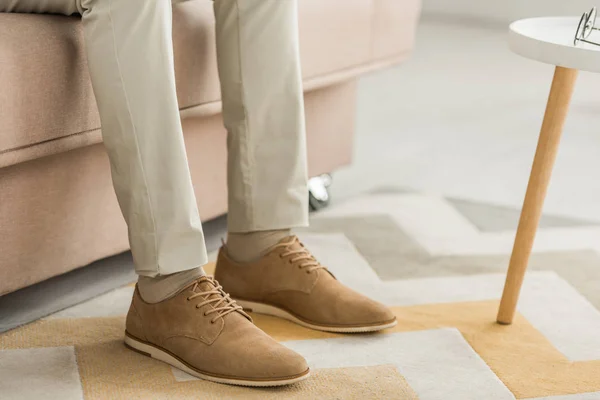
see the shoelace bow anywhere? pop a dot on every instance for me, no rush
(222, 304)
(309, 262)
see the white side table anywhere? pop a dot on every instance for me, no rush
(549, 40)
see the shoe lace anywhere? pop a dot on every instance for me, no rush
(221, 302)
(302, 256)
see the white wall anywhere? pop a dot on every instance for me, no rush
(506, 10)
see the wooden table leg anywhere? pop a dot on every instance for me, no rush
(554, 118)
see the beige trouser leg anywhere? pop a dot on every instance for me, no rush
(131, 65)
(130, 59)
(263, 109)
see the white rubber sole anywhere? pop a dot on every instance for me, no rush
(261, 308)
(154, 352)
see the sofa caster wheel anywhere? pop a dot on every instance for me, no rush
(318, 192)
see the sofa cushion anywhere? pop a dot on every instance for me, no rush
(47, 105)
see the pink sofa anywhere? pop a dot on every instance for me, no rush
(58, 211)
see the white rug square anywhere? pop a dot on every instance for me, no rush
(33, 374)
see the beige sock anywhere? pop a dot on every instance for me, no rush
(159, 288)
(250, 246)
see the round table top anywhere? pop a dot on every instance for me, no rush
(550, 40)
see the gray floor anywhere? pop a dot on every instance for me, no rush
(461, 119)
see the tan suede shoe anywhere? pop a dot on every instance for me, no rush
(204, 333)
(288, 282)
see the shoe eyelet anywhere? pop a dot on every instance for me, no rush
(188, 299)
(212, 322)
(197, 306)
(308, 272)
(205, 314)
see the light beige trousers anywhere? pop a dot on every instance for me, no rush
(130, 57)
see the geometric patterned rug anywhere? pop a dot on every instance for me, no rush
(438, 262)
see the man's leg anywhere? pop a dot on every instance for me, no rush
(263, 110)
(130, 61)
(262, 263)
(130, 57)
